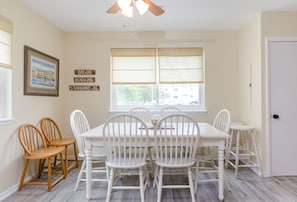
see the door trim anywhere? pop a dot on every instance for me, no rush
(268, 40)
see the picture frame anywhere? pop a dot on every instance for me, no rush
(41, 73)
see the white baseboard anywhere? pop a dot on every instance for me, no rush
(11, 190)
(15, 187)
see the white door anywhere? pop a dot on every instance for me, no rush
(282, 60)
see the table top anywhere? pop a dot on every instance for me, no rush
(206, 131)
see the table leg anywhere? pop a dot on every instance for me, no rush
(88, 173)
(221, 171)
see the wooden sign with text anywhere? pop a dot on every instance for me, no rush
(84, 79)
(84, 88)
(84, 71)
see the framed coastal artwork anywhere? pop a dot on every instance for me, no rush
(41, 73)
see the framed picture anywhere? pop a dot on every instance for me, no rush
(41, 73)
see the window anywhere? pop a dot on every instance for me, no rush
(155, 78)
(5, 68)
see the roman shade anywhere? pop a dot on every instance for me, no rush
(180, 65)
(5, 42)
(133, 66)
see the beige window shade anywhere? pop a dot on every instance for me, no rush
(5, 42)
(133, 66)
(181, 65)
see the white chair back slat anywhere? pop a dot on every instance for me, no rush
(142, 113)
(125, 140)
(176, 140)
(79, 125)
(169, 110)
(222, 120)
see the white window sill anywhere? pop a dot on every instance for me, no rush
(155, 111)
(7, 121)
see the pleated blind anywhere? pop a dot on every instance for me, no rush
(133, 66)
(180, 65)
(5, 42)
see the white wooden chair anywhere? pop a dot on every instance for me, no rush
(79, 125)
(169, 110)
(141, 112)
(145, 115)
(207, 157)
(126, 142)
(176, 141)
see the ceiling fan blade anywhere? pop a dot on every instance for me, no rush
(156, 10)
(114, 8)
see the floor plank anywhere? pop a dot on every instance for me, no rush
(248, 187)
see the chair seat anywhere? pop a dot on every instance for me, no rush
(124, 165)
(63, 142)
(180, 164)
(45, 153)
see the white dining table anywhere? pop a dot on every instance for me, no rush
(209, 136)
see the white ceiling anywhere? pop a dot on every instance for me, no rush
(180, 15)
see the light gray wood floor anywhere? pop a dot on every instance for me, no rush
(247, 187)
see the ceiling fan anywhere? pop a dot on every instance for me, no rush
(142, 5)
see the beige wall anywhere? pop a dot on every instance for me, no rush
(28, 29)
(92, 50)
(249, 72)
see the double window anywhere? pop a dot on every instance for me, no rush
(157, 77)
(5, 68)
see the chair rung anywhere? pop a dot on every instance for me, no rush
(208, 171)
(208, 180)
(125, 187)
(175, 186)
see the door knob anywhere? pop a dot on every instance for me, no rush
(275, 116)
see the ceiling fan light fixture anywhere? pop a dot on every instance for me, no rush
(128, 11)
(141, 6)
(123, 4)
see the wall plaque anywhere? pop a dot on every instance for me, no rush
(84, 71)
(84, 79)
(84, 88)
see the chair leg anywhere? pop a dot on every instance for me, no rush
(83, 166)
(160, 184)
(151, 160)
(66, 160)
(156, 176)
(75, 154)
(191, 184)
(196, 176)
(147, 177)
(141, 184)
(110, 183)
(55, 161)
(63, 166)
(41, 166)
(49, 174)
(23, 174)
